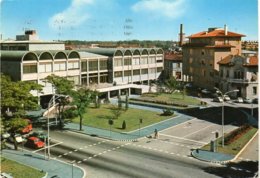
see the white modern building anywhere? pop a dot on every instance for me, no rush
(111, 71)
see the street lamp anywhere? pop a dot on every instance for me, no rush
(222, 96)
(50, 104)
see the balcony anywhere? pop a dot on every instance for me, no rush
(241, 81)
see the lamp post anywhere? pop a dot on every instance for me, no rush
(222, 96)
(48, 120)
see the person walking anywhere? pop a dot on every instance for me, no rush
(155, 133)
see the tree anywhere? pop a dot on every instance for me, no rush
(15, 99)
(171, 84)
(16, 96)
(119, 101)
(116, 111)
(95, 98)
(126, 102)
(64, 87)
(81, 99)
(14, 126)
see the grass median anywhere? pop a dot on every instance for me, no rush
(234, 147)
(99, 117)
(16, 169)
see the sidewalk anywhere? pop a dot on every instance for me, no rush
(52, 167)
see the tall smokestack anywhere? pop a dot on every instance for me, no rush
(181, 35)
(225, 29)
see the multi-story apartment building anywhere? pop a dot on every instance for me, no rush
(237, 72)
(117, 69)
(203, 52)
(173, 65)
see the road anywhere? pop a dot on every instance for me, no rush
(106, 158)
(167, 156)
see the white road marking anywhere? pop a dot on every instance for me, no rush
(76, 150)
(47, 147)
(198, 130)
(65, 154)
(184, 139)
(178, 124)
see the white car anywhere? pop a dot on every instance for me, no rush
(18, 138)
(247, 100)
(226, 98)
(239, 100)
(218, 99)
(205, 91)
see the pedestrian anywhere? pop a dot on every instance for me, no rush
(155, 133)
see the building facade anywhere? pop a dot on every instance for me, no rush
(173, 66)
(203, 52)
(103, 69)
(237, 72)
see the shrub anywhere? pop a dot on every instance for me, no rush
(124, 125)
(235, 134)
(167, 112)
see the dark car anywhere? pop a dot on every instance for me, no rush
(34, 142)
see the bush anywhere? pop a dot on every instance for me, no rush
(167, 112)
(124, 125)
(235, 134)
(70, 113)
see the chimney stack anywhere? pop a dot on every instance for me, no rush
(225, 29)
(181, 34)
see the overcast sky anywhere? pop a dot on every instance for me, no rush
(126, 19)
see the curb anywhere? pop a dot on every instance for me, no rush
(108, 138)
(244, 146)
(215, 162)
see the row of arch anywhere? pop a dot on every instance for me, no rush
(50, 55)
(141, 51)
(56, 55)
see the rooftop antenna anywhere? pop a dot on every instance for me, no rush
(59, 24)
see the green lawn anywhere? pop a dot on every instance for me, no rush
(175, 97)
(18, 170)
(235, 146)
(98, 117)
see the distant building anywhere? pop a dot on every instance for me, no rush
(173, 66)
(203, 52)
(237, 72)
(250, 45)
(30, 42)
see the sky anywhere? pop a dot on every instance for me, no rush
(112, 20)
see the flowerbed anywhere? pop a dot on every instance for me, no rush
(159, 102)
(236, 134)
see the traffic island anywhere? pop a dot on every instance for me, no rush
(210, 156)
(230, 151)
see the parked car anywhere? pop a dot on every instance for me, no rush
(34, 142)
(206, 91)
(18, 138)
(40, 134)
(218, 99)
(27, 128)
(226, 98)
(247, 100)
(239, 100)
(5, 135)
(255, 100)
